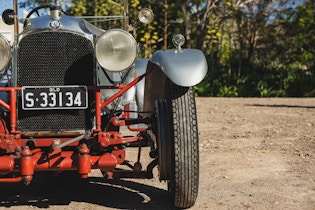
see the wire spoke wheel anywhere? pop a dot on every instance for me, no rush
(178, 144)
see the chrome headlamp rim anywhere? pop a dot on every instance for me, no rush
(6, 54)
(146, 16)
(129, 51)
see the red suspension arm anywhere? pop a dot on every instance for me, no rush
(100, 105)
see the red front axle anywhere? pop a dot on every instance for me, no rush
(35, 160)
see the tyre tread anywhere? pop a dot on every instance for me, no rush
(186, 149)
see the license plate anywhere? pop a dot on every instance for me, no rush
(54, 97)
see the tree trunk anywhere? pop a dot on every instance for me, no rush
(187, 22)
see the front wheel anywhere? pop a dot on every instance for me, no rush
(177, 141)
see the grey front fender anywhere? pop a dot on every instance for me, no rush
(185, 67)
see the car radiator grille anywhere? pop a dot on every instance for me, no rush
(55, 59)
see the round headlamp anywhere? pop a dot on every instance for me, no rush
(5, 52)
(116, 50)
(146, 16)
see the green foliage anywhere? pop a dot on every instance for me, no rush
(310, 94)
(261, 48)
(263, 88)
(203, 88)
(228, 91)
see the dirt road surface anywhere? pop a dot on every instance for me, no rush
(255, 153)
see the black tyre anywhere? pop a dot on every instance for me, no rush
(178, 144)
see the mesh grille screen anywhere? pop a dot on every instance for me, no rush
(52, 59)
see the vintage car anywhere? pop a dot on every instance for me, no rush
(70, 90)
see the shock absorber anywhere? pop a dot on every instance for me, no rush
(27, 165)
(84, 162)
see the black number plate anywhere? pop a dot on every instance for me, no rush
(56, 97)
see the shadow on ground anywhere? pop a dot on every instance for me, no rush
(281, 106)
(64, 189)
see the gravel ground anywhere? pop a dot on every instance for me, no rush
(255, 153)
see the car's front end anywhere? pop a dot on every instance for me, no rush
(69, 88)
(57, 99)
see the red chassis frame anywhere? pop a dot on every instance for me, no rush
(21, 167)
